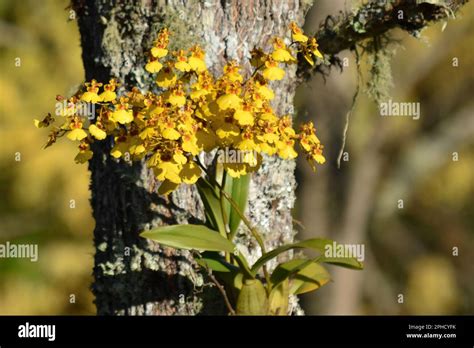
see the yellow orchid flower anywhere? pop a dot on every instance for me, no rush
(190, 144)
(121, 147)
(167, 187)
(76, 133)
(168, 170)
(244, 117)
(236, 170)
(109, 91)
(227, 101)
(286, 149)
(45, 122)
(228, 131)
(84, 154)
(281, 52)
(153, 66)
(197, 112)
(147, 133)
(258, 57)
(91, 96)
(177, 97)
(231, 72)
(122, 116)
(158, 52)
(196, 61)
(264, 91)
(171, 134)
(182, 62)
(272, 71)
(248, 144)
(297, 34)
(122, 113)
(206, 139)
(97, 132)
(190, 172)
(166, 78)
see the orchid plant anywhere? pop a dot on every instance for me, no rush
(194, 113)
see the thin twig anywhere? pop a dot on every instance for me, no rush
(351, 110)
(222, 291)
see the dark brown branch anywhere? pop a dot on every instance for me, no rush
(223, 293)
(336, 34)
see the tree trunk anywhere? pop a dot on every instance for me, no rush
(134, 276)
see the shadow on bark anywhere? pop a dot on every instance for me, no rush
(132, 274)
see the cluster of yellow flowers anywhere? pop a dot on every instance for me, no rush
(195, 112)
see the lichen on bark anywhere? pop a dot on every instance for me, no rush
(134, 276)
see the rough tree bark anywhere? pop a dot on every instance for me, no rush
(134, 276)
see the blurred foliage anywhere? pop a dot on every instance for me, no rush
(37, 190)
(409, 251)
(432, 287)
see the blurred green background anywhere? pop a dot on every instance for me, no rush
(408, 251)
(37, 190)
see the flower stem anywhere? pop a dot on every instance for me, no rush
(244, 219)
(224, 216)
(254, 233)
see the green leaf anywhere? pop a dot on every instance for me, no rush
(240, 189)
(347, 262)
(279, 298)
(310, 278)
(285, 270)
(305, 275)
(197, 237)
(233, 282)
(212, 206)
(317, 244)
(252, 298)
(216, 264)
(238, 281)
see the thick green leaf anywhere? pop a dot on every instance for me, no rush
(287, 269)
(279, 298)
(212, 206)
(305, 275)
(232, 282)
(197, 237)
(216, 264)
(348, 262)
(317, 244)
(310, 278)
(238, 281)
(240, 189)
(252, 298)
